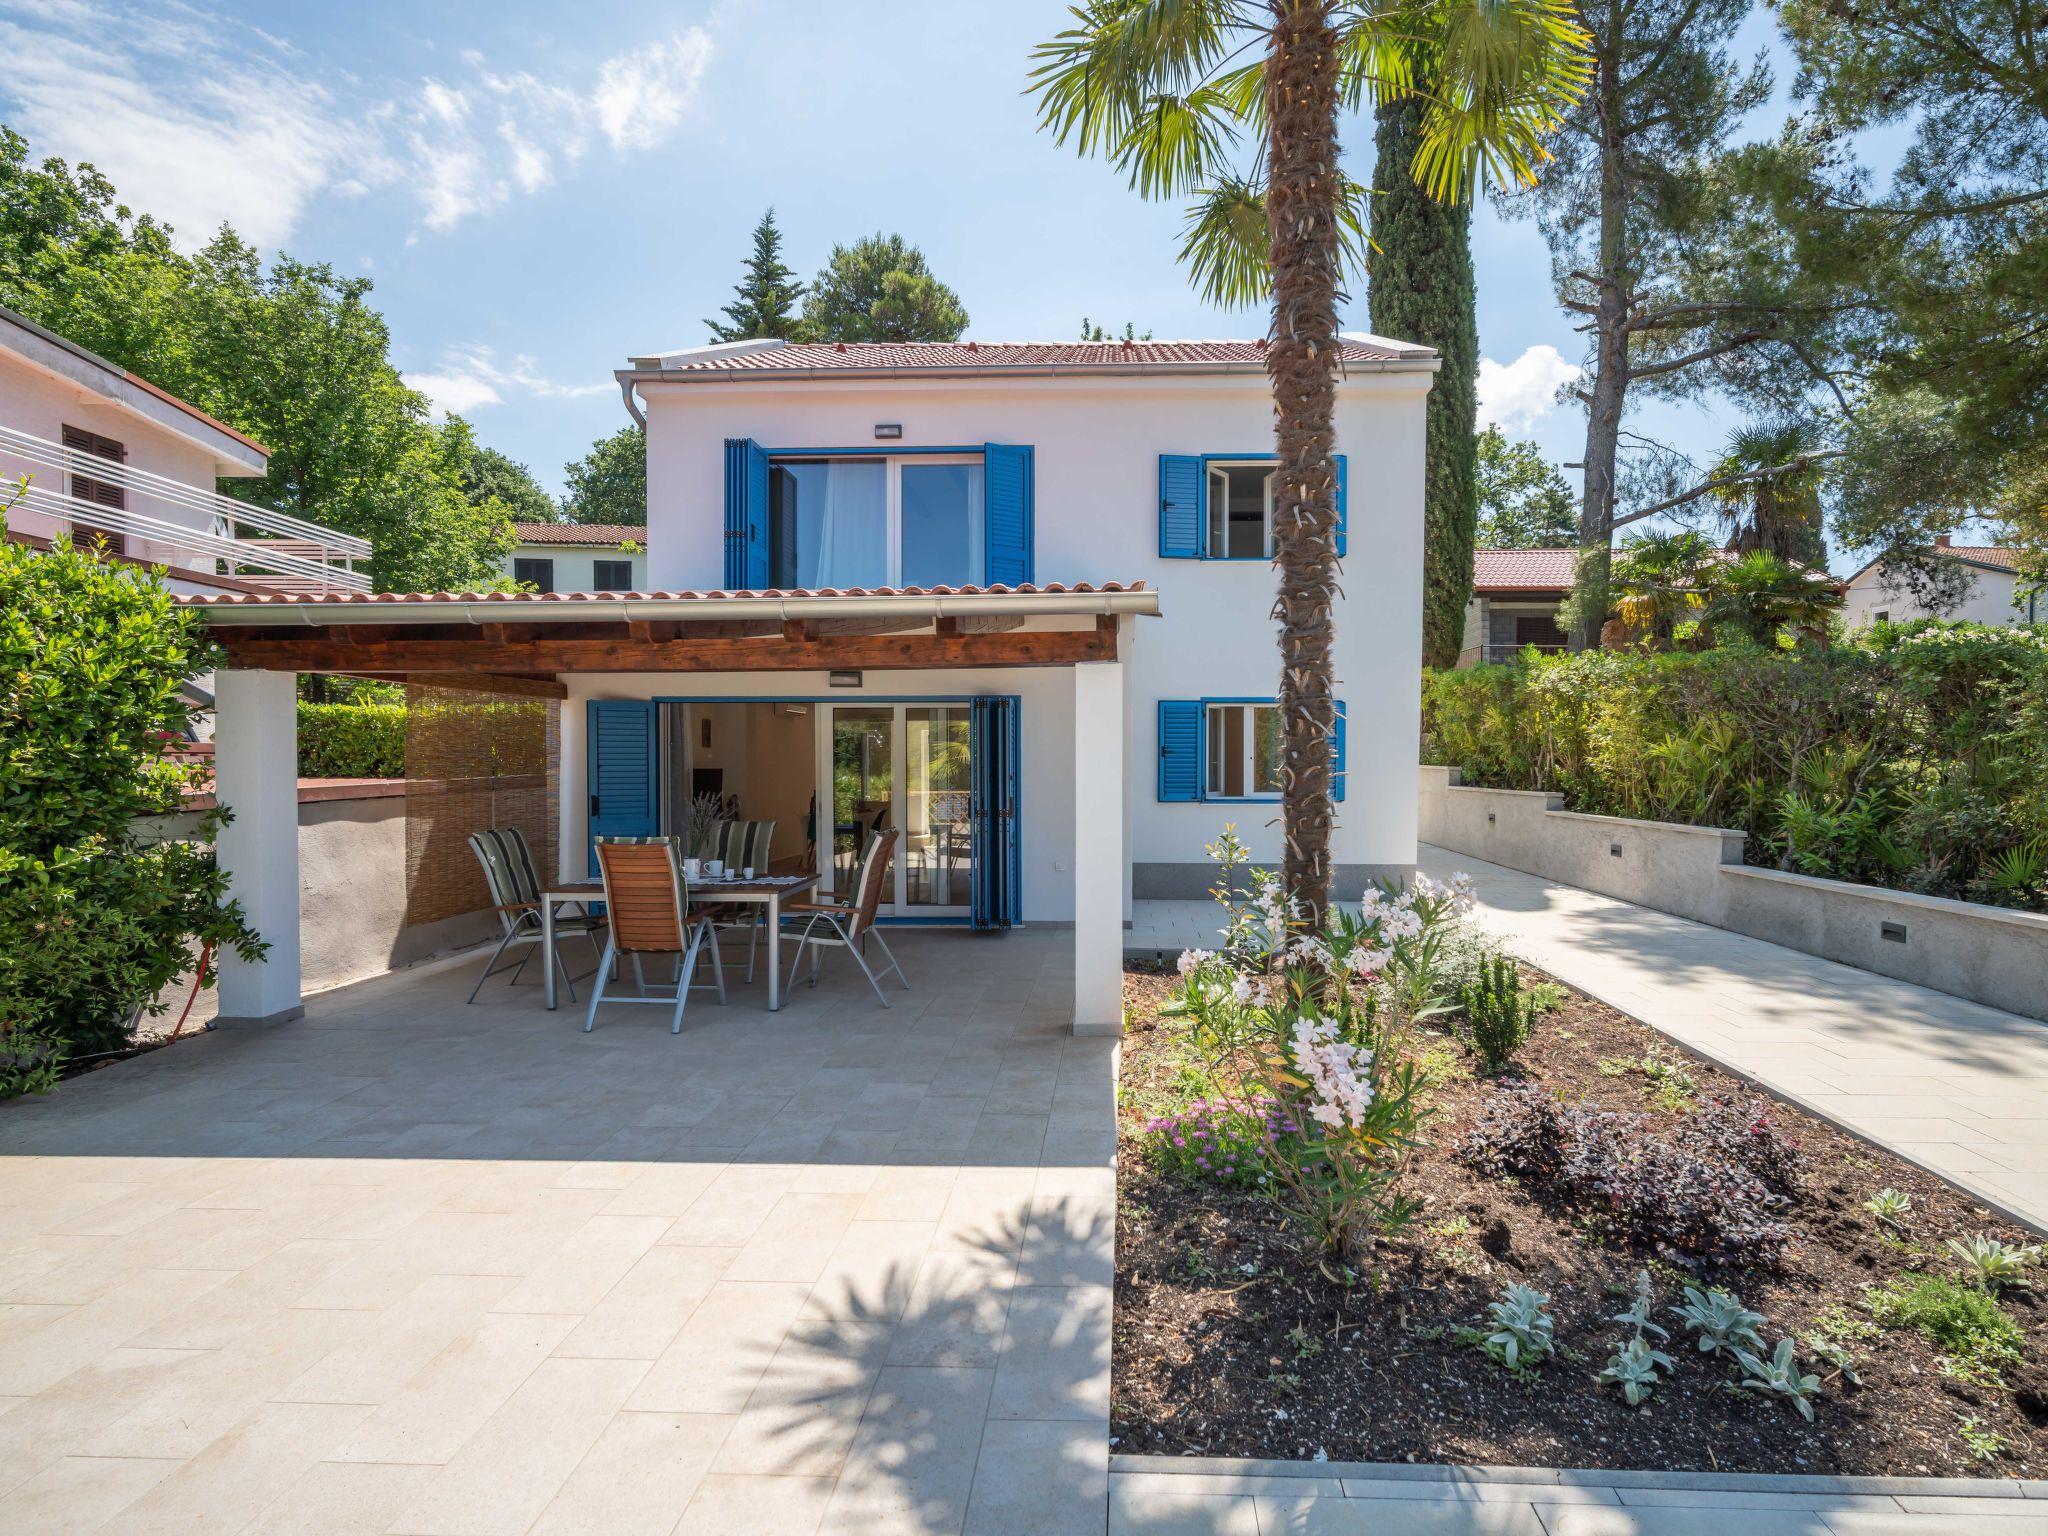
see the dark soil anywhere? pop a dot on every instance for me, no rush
(1229, 1341)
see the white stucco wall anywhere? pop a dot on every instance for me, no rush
(43, 401)
(1990, 600)
(1097, 445)
(573, 564)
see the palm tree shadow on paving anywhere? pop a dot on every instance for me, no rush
(894, 1392)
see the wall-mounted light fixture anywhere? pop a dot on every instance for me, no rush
(888, 429)
(843, 679)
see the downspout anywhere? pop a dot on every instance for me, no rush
(632, 406)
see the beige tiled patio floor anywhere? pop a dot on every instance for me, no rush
(409, 1266)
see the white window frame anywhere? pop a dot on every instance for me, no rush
(893, 497)
(1213, 792)
(1212, 467)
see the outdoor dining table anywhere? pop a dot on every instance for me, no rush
(767, 890)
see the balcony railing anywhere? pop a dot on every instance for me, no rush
(279, 552)
(1503, 651)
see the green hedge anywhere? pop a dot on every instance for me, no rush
(1915, 757)
(352, 741)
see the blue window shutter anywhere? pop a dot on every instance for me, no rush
(1180, 749)
(746, 515)
(1343, 511)
(1007, 514)
(1181, 494)
(622, 755)
(1337, 752)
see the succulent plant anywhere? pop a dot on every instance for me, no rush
(1638, 1315)
(1634, 1369)
(1992, 1263)
(1890, 1206)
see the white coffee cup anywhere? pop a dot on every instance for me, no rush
(747, 873)
(715, 869)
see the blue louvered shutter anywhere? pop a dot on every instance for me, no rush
(1007, 514)
(1180, 506)
(1180, 749)
(1343, 511)
(1337, 756)
(623, 757)
(746, 515)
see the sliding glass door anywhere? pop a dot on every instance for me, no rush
(906, 766)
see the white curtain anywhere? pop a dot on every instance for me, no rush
(853, 529)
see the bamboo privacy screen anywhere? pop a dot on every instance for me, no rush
(474, 760)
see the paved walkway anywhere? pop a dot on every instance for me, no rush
(1958, 1087)
(414, 1267)
(1215, 1496)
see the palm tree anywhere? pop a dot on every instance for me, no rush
(1170, 92)
(1768, 496)
(1659, 582)
(1760, 594)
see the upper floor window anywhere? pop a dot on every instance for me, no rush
(101, 493)
(874, 522)
(611, 575)
(1240, 511)
(535, 573)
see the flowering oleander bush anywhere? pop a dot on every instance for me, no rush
(1312, 1025)
(1219, 1141)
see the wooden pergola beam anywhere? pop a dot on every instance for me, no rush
(474, 654)
(478, 682)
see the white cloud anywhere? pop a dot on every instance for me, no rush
(199, 118)
(1515, 396)
(468, 378)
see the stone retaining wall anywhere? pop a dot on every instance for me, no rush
(1990, 955)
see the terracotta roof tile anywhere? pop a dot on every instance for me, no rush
(856, 356)
(612, 534)
(1983, 554)
(1523, 570)
(542, 599)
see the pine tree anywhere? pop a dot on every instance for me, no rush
(764, 301)
(1420, 288)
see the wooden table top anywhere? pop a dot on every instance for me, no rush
(761, 887)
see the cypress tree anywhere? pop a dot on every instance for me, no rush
(1419, 288)
(764, 300)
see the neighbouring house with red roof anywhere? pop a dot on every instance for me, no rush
(1011, 603)
(104, 455)
(578, 557)
(1992, 595)
(1515, 598)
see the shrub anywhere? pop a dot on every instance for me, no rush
(1685, 1193)
(96, 915)
(1912, 757)
(1500, 1013)
(1314, 1026)
(1221, 1141)
(1964, 1323)
(352, 741)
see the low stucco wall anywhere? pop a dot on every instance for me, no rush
(352, 895)
(1987, 954)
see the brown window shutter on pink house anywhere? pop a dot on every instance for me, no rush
(102, 493)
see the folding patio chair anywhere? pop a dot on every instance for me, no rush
(743, 845)
(648, 902)
(849, 926)
(515, 897)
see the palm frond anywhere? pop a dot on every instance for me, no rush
(1224, 243)
(1502, 75)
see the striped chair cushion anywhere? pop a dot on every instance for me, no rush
(744, 844)
(508, 864)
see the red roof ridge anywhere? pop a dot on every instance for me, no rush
(709, 594)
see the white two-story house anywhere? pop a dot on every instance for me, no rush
(1013, 600)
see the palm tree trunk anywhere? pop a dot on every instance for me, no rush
(1302, 198)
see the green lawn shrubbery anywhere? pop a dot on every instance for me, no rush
(352, 741)
(96, 915)
(1915, 757)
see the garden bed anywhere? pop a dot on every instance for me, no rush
(1230, 1341)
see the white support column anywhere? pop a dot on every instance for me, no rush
(256, 775)
(1099, 848)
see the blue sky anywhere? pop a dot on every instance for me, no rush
(538, 192)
